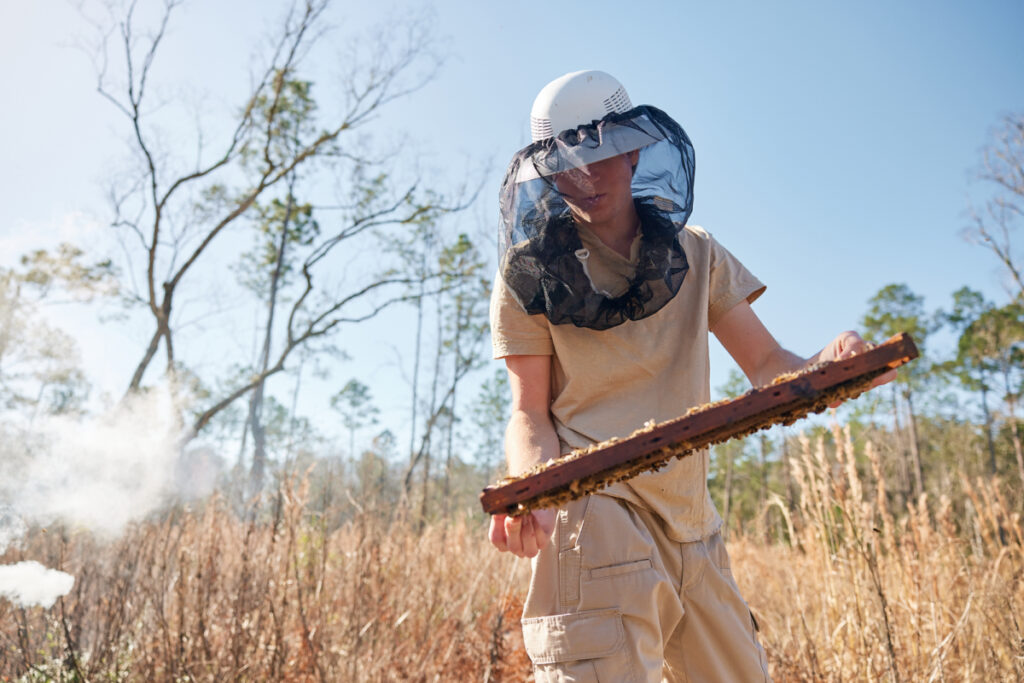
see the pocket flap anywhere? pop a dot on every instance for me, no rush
(572, 637)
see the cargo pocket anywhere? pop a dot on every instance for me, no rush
(719, 556)
(584, 646)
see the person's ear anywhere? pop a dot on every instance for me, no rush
(634, 157)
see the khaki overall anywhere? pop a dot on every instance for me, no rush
(636, 584)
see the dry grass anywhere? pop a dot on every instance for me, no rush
(205, 595)
(933, 596)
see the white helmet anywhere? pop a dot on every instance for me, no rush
(576, 99)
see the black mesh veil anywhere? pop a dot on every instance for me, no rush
(539, 243)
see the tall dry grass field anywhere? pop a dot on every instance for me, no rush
(860, 594)
(204, 595)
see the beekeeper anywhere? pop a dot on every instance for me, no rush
(601, 311)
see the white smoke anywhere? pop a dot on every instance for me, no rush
(30, 583)
(97, 473)
(12, 528)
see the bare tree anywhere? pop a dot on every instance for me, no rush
(460, 331)
(1002, 168)
(171, 219)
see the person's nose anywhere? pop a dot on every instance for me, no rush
(579, 179)
(587, 176)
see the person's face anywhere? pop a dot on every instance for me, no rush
(601, 191)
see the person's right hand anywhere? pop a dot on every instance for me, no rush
(525, 535)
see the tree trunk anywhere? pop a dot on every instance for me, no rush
(259, 434)
(424, 500)
(294, 410)
(903, 485)
(415, 381)
(762, 497)
(434, 410)
(1015, 433)
(257, 471)
(989, 441)
(456, 350)
(915, 447)
(154, 344)
(727, 497)
(788, 475)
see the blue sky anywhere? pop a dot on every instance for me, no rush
(835, 142)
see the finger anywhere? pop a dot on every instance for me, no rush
(529, 536)
(546, 522)
(513, 532)
(884, 379)
(847, 352)
(850, 344)
(876, 382)
(542, 532)
(496, 533)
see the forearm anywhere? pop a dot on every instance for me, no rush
(777, 362)
(529, 439)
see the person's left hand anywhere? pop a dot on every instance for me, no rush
(848, 344)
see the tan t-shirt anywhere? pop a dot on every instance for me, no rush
(610, 382)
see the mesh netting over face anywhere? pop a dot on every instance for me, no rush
(539, 243)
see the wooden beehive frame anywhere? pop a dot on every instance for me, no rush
(784, 401)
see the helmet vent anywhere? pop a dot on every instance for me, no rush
(617, 102)
(540, 128)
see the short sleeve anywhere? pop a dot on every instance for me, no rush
(730, 282)
(514, 332)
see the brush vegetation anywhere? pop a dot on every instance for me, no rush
(296, 587)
